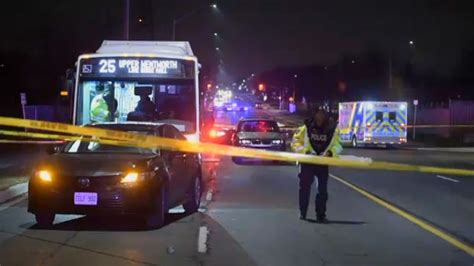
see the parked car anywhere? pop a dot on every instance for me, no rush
(87, 177)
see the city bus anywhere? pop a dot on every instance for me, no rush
(152, 81)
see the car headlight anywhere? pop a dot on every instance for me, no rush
(277, 141)
(45, 176)
(245, 141)
(133, 177)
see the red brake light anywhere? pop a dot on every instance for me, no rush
(213, 133)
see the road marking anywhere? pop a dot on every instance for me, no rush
(209, 195)
(424, 225)
(447, 178)
(202, 239)
(13, 191)
(7, 205)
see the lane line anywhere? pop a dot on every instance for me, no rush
(447, 178)
(424, 225)
(202, 239)
(209, 195)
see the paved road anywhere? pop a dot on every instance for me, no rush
(251, 216)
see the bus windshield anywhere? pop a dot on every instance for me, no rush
(101, 100)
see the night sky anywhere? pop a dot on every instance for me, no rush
(255, 35)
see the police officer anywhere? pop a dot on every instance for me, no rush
(320, 137)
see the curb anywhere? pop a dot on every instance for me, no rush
(13, 192)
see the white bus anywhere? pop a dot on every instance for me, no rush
(139, 81)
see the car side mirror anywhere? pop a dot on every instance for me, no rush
(156, 151)
(53, 150)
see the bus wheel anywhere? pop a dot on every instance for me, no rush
(354, 142)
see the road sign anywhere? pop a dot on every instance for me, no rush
(415, 102)
(23, 98)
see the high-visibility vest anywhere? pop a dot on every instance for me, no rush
(99, 109)
(301, 142)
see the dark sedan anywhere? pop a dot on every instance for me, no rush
(90, 178)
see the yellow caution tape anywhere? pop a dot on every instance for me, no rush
(58, 138)
(148, 141)
(35, 135)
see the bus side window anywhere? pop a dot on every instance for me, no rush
(392, 116)
(379, 116)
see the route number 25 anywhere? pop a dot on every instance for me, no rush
(107, 66)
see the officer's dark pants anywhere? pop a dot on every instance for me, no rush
(306, 175)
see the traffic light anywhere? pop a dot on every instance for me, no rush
(261, 87)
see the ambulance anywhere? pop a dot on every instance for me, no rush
(373, 123)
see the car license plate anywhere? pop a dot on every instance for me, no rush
(85, 198)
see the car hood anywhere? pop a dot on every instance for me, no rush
(259, 135)
(92, 165)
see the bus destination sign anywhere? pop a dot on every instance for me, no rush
(136, 67)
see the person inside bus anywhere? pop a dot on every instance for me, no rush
(103, 105)
(146, 106)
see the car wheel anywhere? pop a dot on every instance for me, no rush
(354, 142)
(194, 196)
(157, 218)
(45, 219)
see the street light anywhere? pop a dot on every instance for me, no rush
(176, 21)
(215, 34)
(411, 42)
(217, 48)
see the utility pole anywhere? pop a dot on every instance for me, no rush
(174, 30)
(126, 23)
(390, 70)
(415, 103)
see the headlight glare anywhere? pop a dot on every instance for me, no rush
(277, 141)
(44, 176)
(129, 178)
(245, 141)
(134, 177)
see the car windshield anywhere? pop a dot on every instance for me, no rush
(90, 146)
(258, 126)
